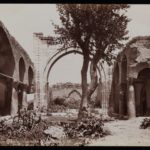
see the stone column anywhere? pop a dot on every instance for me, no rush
(120, 92)
(14, 102)
(121, 106)
(138, 87)
(24, 98)
(131, 102)
(37, 96)
(43, 103)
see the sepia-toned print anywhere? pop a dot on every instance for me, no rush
(74, 75)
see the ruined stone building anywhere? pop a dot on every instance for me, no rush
(16, 74)
(130, 92)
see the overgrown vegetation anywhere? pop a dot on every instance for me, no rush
(56, 108)
(27, 126)
(145, 123)
(60, 104)
(90, 127)
(72, 103)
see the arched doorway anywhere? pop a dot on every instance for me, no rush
(78, 95)
(142, 94)
(30, 79)
(21, 69)
(21, 77)
(7, 65)
(53, 61)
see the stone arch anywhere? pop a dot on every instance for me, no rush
(7, 61)
(22, 69)
(55, 58)
(142, 94)
(74, 91)
(30, 79)
(50, 63)
(7, 67)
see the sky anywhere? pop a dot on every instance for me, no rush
(22, 20)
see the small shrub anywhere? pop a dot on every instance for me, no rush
(145, 123)
(56, 108)
(72, 103)
(59, 101)
(87, 127)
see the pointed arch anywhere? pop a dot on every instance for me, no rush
(22, 69)
(75, 91)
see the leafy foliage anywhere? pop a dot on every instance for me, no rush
(145, 123)
(28, 127)
(72, 103)
(87, 127)
(56, 108)
(97, 29)
(59, 101)
(61, 104)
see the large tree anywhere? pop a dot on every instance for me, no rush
(95, 29)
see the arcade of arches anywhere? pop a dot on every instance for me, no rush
(16, 74)
(130, 94)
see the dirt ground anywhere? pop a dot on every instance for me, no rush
(124, 133)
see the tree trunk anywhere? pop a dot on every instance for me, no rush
(98, 101)
(84, 104)
(93, 85)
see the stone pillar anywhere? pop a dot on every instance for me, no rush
(121, 106)
(46, 95)
(120, 94)
(14, 102)
(131, 102)
(24, 99)
(138, 87)
(37, 96)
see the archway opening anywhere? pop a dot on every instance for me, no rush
(73, 64)
(21, 77)
(65, 77)
(75, 93)
(21, 69)
(7, 65)
(142, 94)
(30, 80)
